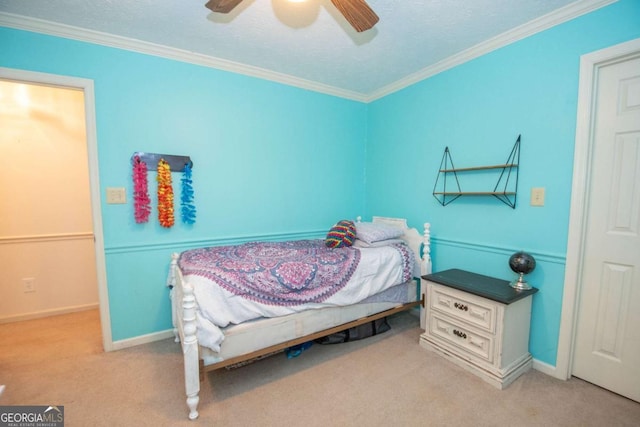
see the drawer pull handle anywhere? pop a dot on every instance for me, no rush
(460, 306)
(460, 334)
(479, 344)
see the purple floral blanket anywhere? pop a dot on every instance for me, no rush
(275, 273)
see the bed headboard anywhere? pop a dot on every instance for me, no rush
(419, 243)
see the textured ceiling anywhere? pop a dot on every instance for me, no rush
(308, 42)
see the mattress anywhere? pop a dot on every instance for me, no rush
(257, 334)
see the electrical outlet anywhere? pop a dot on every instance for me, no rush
(29, 284)
(116, 195)
(537, 196)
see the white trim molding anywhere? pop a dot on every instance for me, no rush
(39, 238)
(564, 14)
(110, 40)
(183, 245)
(500, 250)
(143, 339)
(47, 313)
(545, 368)
(557, 17)
(589, 68)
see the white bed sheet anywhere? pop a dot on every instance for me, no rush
(379, 268)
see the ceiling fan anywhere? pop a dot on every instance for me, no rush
(357, 12)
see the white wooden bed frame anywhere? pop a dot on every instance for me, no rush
(184, 317)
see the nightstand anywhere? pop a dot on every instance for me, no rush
(479, 323)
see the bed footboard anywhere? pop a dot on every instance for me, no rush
(184, 320)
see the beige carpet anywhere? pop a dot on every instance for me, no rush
(388, 380)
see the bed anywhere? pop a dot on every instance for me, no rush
(222, 319)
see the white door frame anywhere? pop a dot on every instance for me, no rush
(86, 86)
(590, 65)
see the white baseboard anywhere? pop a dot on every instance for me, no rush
(47, 313)
(142, 339)
(545, 368)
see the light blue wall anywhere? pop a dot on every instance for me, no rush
(478, 109)
(270, 161)
(268, 158)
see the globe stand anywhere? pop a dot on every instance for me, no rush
(521, 263)
(520, 284)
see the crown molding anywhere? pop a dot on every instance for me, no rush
(543, 23)
(20, 22)
(557, 17)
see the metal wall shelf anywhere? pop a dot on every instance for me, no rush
(506, 187)
(176, 163)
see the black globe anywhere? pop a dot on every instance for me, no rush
(522, 262)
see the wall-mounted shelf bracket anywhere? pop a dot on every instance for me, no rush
(505, 190)
(176, 163)
(445, 197)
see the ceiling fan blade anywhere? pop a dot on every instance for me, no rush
(358, 13)
(222, 6)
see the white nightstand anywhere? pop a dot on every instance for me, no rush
(480, 323)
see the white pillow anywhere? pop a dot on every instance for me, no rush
(370, 232)
(362, 244)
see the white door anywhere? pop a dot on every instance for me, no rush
(607, 340)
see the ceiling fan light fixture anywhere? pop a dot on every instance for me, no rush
(356, 12)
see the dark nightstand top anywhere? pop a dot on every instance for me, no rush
(477, 284)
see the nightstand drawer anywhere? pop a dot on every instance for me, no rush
(471, 342)
(460, 305)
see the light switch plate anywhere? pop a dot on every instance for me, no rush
(116, 195)
(537, 196)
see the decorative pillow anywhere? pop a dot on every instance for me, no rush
(371, 232)
(342, 234)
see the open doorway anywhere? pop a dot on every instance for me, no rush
(46, 227)
(52, 236)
